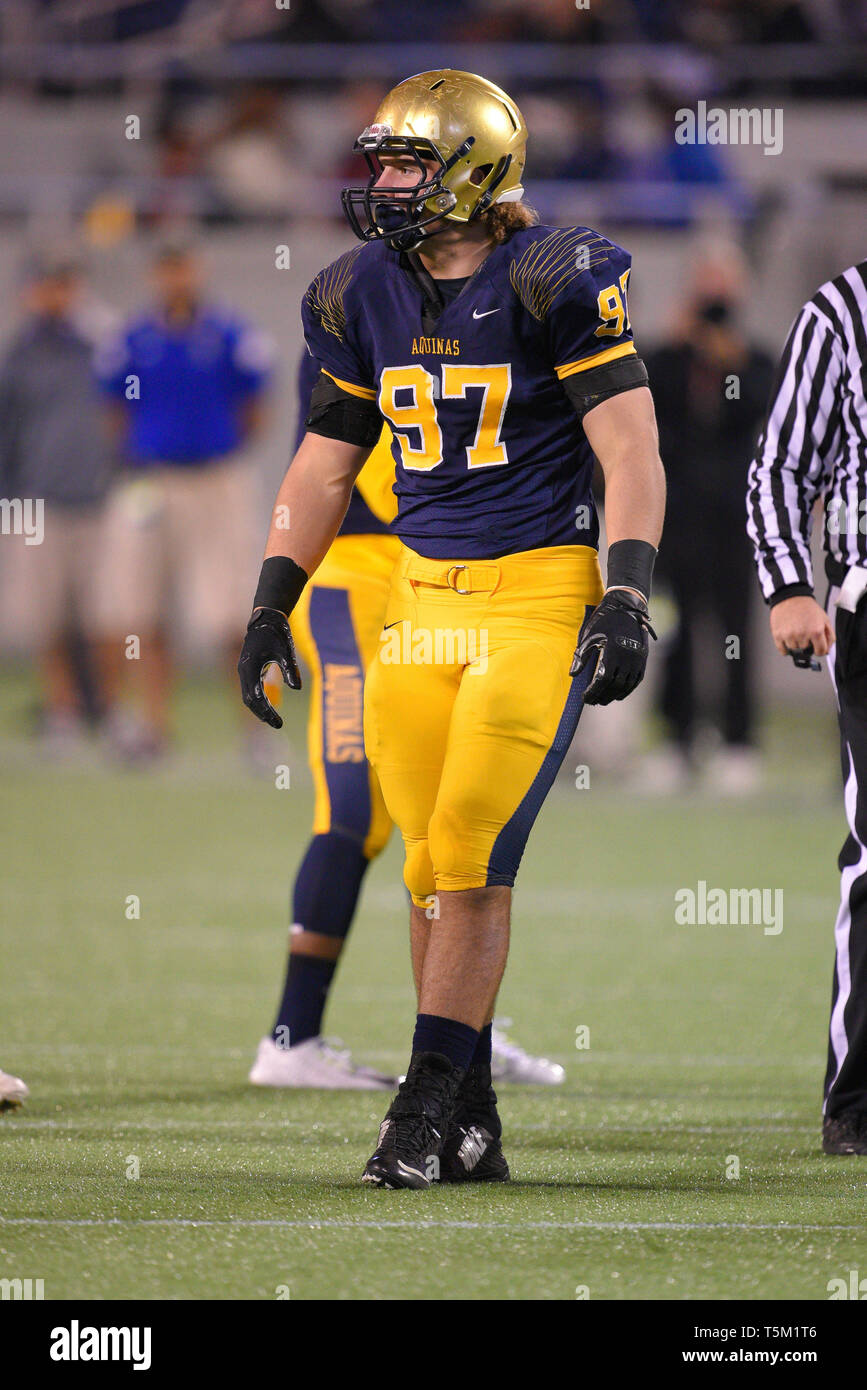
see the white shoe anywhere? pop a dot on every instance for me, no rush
(509, 1062)
(664, 772)
(317, 1065)
(734, 772)
(62, 734)
(12, 1090)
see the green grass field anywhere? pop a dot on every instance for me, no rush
(135, 1036)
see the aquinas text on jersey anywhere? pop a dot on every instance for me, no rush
(443, 347)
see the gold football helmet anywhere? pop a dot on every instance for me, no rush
(471, 130)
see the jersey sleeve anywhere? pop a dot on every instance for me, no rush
(330, 330)
(793, 462)
(582, 293)
(308, 371)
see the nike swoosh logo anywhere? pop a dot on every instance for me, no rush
(394, 624)
(477, 315)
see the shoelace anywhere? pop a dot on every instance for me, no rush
(415, 1134)
(413, 1125)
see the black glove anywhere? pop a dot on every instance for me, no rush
(268, 639)
(615, 635)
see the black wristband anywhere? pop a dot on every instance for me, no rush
(630, 566)
(280, 584)
(790, 591)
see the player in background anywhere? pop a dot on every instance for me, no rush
(501, 355)
(337, 624)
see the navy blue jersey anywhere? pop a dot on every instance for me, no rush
(359, 520)
(490, 454)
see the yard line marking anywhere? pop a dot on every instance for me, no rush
(25, 1123)
(565, 900)
(312, 1225)
(656, 1059)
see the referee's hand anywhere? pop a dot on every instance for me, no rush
(268, 640)
(798, 623)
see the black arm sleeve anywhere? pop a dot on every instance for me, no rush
(336, 414)
(590, 388)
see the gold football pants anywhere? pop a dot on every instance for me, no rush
(470, 708)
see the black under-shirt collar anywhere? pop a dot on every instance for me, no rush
(433, 300)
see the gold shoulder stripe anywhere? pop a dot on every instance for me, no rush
(549, 264)
(598, 358)
(366, 393)
(325, 295)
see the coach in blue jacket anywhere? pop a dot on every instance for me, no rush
(185, 379)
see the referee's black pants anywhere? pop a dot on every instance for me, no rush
(846, 1075)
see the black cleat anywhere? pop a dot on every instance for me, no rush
(473, 1152)
(412, 1134)
(845, 1133)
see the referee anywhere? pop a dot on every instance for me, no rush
(815, 444)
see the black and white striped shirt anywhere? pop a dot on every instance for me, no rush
(814, 443)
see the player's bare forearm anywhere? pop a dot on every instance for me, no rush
(310, 506)
(313, 499)
(622, 433)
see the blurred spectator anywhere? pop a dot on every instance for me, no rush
(320, 21)
(570, 137)
(661, 159)
(54, 453)
(250, 159)
(710, 386)
(187, 381)
(718, 23)
(779, 21)
(537, 21)
(183, 190)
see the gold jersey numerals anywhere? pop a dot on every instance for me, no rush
(414, 420)
(613, 310)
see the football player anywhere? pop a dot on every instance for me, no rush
(337, 624)
(501, 356)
